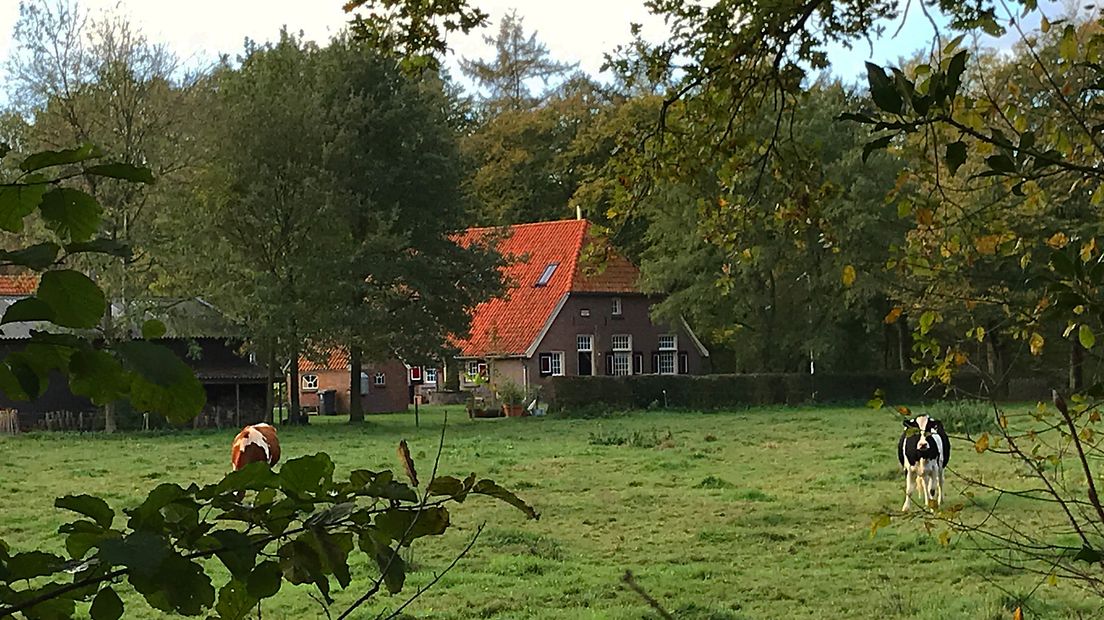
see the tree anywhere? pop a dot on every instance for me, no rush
(518, 61)
(401, 287)
(101, 81)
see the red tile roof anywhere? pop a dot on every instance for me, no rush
(507, 327)
(336, 358)
(18, 285)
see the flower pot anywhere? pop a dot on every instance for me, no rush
(513, 411)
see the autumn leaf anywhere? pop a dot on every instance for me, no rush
(1058, 240)
(407, 462)
(982, 444)
(893, 315)
(848, 275)
(988, 244)
(1018, 614)
(904, 410)
(1036, 343)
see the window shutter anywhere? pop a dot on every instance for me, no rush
(655, 362)
(638, 363)
(609, 362)
(545, 364)
(684, 363)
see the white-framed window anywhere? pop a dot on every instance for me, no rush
(622, 354)
(552, 364)
(415, 374)
(668, 350)
(379, 379)
(310, 382)
(431, 375)
(473, 368)
(616, 306)
(546, 275)
(364, 381)
(584, 342)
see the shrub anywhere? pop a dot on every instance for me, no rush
(963, 417)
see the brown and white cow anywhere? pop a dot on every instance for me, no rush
(254, 443)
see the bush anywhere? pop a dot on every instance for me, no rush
(963, 417)
(636, 439)
(587, 394)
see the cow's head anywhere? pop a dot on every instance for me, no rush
(925, 427)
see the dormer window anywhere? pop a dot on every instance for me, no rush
(616, 306)
(547, 274)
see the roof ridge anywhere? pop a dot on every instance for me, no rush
(524, 225)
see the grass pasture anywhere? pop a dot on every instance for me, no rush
(762, 513)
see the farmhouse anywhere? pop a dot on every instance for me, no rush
(567, 315)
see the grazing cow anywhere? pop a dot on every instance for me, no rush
(924, 451)
(255, 443)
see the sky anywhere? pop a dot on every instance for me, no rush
(574, 30)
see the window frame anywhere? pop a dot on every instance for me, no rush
(668, 362)
(426, 378)
(617, 308)
(303, 383)
(622, 355)
(546, 275)
(379, 379)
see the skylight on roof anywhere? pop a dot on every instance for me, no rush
(547, 275)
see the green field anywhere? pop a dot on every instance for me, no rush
(756, 514)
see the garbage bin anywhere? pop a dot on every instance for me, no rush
(327, 402)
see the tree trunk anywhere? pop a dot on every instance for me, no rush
(902, 330)
(994, 350)
(294, 412)
(356, 409)
(108, 328)
(270, 380)
(1077, 367)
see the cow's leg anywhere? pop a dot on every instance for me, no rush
(941, 481)
(909, 489)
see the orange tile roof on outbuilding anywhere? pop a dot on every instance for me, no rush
(21, 285)
(335, 358)
(508, 326)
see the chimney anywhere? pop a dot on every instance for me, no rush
(578, 212)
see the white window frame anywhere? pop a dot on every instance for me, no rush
(557, 363)
(379, 379)
(622, 355)
(473, 368)
(617, 310)
(430, 372)
(309, 382)
(668, 355)
(589, 339)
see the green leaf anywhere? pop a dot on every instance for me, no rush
(882, 90)
(404, 526)
(1089, 555)
(90, 506)
(1001, 163)
(161, 382)
(126, 172)
(17, 202)
(37, 257)
(300, 562)
(141, 552)
(80, 536)
(1086, 336)
(954, 73)
(390, 563)
(75, 300)
(453, 487)
(956, 156)
(107, 605)
(32, 564)
(71, 213)
(384, 486)
(29, 309)
(307, 474)
(97, 375)
(875, 145)
(489, 488)
(253, 477)
(235, 551)
(45, 159)
(265, 580)
(153, 329)
(1068, 45)
(101, 246)
(234, 601)
(179, 585)
(334, 551)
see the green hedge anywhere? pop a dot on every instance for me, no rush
(719, 391)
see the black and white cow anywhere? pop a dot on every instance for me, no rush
(924, 451)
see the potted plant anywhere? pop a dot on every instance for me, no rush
(477, 400)
(513, 399)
